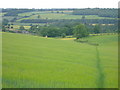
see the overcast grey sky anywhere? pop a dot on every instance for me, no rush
(58, 3)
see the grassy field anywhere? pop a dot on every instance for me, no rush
(8, 17)
(42, 12)
(1, 14)
(49, 15)
(26, 24)
(0, 60)
(16, 27)
(38, 62)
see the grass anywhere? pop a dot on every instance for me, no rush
(18, 27)
(101, 39)
(28, 24)
(8, 17)
(0, 60)
(41, 12)
(1, 14)
(49, 15)
(37, 62)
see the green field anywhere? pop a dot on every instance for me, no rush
(38, 62)
(1, 14)
(42, 12)
(49, 15)
(16, 27)
(61, 16)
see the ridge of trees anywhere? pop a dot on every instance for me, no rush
(101, 12)
(113, 13)
(90, 21)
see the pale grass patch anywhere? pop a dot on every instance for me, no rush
(67, 38)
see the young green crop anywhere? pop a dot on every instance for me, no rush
(37, 62)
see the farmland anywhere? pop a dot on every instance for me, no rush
(61, 16)
(38, 62)
(55, 15)
(59, 48)
(58, 16)
(50, 17)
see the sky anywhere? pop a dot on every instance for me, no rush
(59, 3)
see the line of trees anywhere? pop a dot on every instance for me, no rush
(65, 28)
(113, 13)
(83, 20)
(78, 30)
(50, 31)
(15, 12)
(102, 12)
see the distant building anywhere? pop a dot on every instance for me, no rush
(46, 36)
(26, 32)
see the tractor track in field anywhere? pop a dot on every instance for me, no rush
(101, 76)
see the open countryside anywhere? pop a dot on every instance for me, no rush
(59, 48)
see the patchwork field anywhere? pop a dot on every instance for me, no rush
(61, 16)
(55, 15)
(38, 62)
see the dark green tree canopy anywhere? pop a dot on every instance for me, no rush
(97, 29)
(22, 28)
(38, 16)
(80, 31)
(5, 22)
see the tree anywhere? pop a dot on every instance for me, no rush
(63, 35)
(22, 28)
(3, 28)
(52, 11)
(50, 31)
(33, 28)
(57, 11)
(5, 22)
(62, 12)
(14, 19)
(80, 31)
(69, 29)
(43, 32)
(38, 16)
(97, 29)
(53, 32)
(83, 19)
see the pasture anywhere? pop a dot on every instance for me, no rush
(49, 15)
(16, 27)
(38, 62)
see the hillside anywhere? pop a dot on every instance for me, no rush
(34, 20)
(37, 62)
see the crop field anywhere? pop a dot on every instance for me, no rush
(49, 15)
(17, 24)
(16, 27)
(38, 62)
(41, 12)
(0, 59)
(1, 14)
(8, 17)
(65, 16)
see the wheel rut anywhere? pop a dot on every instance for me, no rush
(101, 76)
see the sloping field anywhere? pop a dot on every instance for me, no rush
(49, 15)
(37, 62)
